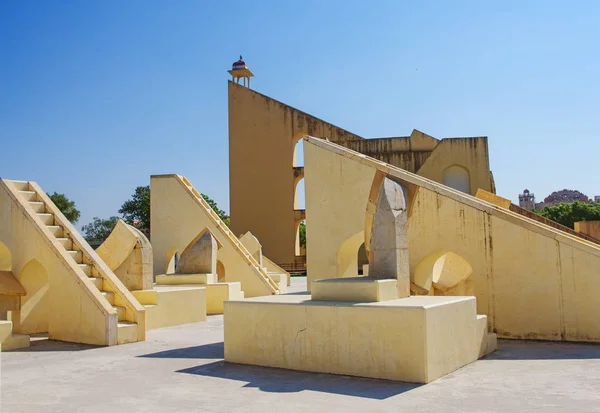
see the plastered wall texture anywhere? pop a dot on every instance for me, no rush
(263, 133)
(531, 280)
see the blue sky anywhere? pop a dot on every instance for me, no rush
(97, 96)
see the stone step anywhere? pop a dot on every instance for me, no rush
(28, 195)
(97, 281)
(15, 341)
(86, 268)
(21, 185)
(127, 332)
(38, 206)
(77, 256)
(120, 312)
(66, 242)
(47, 219)
(110, 296)
(56, 230)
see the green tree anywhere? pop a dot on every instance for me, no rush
(568, 214)
(66, 206)
(137, 209)
(302, 232)
(99, 229)
(222, 214)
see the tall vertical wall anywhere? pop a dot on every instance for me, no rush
(262, 135)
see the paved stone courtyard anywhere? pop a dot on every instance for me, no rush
(181, 369)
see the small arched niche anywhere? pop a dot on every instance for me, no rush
(457, 177)
(220, 271)
(444, 273)
(35, 305)
(362, 258)
(172, 259)
(347, 255)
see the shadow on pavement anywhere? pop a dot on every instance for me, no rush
(544, 350)
(206, 351)
(40, 345)
(289, 381)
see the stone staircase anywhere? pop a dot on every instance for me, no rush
(226, 232)
(130, 314)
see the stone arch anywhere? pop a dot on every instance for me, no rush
(5, 258)
(220, 271)
(297, 232)
(299, 202)
(347, 255)
(444, 272)
(200, 255)
(457, 177)
(362, 257)
(35, 305)
(298, 150)
(172, 256)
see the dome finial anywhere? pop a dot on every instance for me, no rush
(240, 70)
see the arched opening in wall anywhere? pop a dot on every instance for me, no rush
(35, 305)
(347, 255)
(5, 258)
(172, 259)
(457, 177)
(300, 238)
(298, 153)
(443, 272)
(362, 258)
(299, 201)
(220, 271)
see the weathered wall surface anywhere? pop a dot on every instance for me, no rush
(469, 153)
(531, 280)
(589, 229)
(262, 136)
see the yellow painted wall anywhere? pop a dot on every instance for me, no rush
(416, 339)
(262, 137)
(173, 305)
(76, 313)
(591, 228)
(469, 153)
(177, 218)
(532, 280)
(128, 253)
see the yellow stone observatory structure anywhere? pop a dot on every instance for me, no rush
(53, 282)
(179, 218)
(532, 280)
(266, 172)
(128, 253)
(362, 326)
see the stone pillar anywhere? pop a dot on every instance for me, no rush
(389, 237)
(199, 257)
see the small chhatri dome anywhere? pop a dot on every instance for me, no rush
(526, 191)
(240, 64)
(240, 70)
